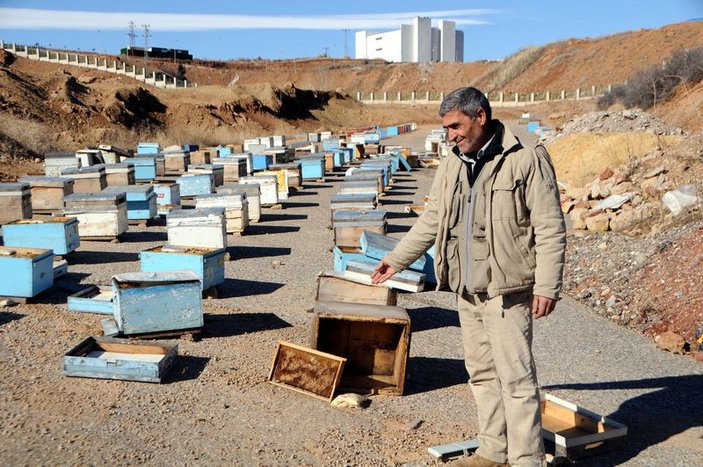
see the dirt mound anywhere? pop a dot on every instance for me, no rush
(135, 107)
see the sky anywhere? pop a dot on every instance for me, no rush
(234, 29)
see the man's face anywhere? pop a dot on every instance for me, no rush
(466, 132)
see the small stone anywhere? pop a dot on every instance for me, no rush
(602, 246)
(671, 342)
(351, 400)
(679, 294)
(414, 425)
(606, 174)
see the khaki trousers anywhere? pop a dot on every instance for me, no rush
(497, 335)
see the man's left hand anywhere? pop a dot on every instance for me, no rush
(542, 306)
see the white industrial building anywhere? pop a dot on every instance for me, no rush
(418, 42)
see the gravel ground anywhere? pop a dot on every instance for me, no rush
(217, 408)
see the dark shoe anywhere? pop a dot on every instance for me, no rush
(477, 461)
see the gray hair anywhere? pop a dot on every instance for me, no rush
(467, 100)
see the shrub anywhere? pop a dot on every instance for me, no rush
(657, 84)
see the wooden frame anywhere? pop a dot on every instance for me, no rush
(306, 371)
(577, 432)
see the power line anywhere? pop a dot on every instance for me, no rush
(146, 35)
(132, 35)
(346, 48)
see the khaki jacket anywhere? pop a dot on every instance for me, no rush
(517, 239)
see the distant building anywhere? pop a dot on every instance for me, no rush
(418, 42)
(156, 52)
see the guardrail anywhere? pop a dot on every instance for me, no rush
(157, 79)
(497, 99)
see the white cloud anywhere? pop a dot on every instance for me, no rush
(27, 18)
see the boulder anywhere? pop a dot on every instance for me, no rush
(598, 223)
(671, 342)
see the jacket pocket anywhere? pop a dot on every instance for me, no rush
(509, 200)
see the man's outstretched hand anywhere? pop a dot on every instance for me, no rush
(382, 272)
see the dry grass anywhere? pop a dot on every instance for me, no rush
(35, 136)
(511, 68)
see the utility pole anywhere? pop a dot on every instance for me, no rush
(326, 48)
(146, 35)
(346, 48)
(132, 35)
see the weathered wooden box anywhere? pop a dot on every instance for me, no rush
(100, 215)
(307, 371)
(281, 181)
(15, 202)
(268, 185)
(332, 287)
(367, 176)
(141, 200)
(200, 157)
(233, 167)
(349, 187)
(253, 192)
(48, 193)
(203, 227)
(575, 432)
(55, 162)
(353, 202)
(176, 161)
(87, 179)
(59, 234)
(144, 168)
(375, 340)
(216, 170)
(120, 174)
(207, 263)
(92, 299)
(236, 209)
(25, 272)
(109, 358)
(293, 169)
(151, 302)
(312, 167)
(167, 193)
(362, 269)
(348, 226)
(195, 184)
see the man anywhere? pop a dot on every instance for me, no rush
(494, 217)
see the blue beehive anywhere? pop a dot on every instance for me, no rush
(261, 161)
(312, 167)
(141, 200)
(207, 263)
(144, 168)
(377, 246)
(392, 131)
(348, 154)
(148, 148)
(25, 272)
(196, 184)
(167, 194)
(343, 255)
(338, 157)
(532, 126)
(59, 234)
(223, 151)
(330, 144)
(93, 299)
(149, 302)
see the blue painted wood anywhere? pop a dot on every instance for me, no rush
(343, 256)
(148, 302)
(224, 151)
(377, 246)
(338, 158)
(167, 194)
(261, 161)
(392, 131)
(532, 126)
(111, 358)
(148, 148)
(330, 144)
(25, 272)
(93, 299)
(59, 234)
(312, 167)
(191, 147)
(141, 200)
(207, 263)
(196, 184)
(144, 167)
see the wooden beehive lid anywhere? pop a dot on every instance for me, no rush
(209, 167)
(22, 252)
(373, 215)
(251, 189)
(101, 198)
(151, 278)
(185, 250)
(306, 370)
(213, 198)
(261, 179)
(353, 197)
(145, 190)
(177, 214)
(49, 182)
(195, 175)
(361, 311)
(14, 186)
